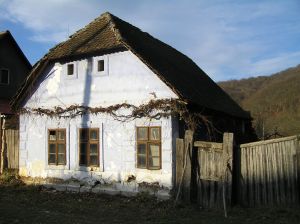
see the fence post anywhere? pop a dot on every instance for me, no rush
(227, 159)
(179, 161)
(298, 166)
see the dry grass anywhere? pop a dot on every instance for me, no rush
(34, 204)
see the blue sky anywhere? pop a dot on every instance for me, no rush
(227, 39)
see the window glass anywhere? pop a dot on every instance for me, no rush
(141, 161)
(154, 134)
(154, 162)
(61, 135)
(83, 148)
(93, 160)
(153, 150)
(4, 74)
(94, 134)
(84, 134)
(61, 158)
(70, 69)
(52, 148)
(142, 149)
(52, 135)
(60, 148)
(142, 133)
(93, 149)
(100, 65)
(52, 158)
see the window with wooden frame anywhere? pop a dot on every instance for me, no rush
(57, 147)
(148, 147)
(89, 146)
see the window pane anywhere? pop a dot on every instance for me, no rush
(94, 134)
(141, 149)
(83, 134)
(141, 161)
(93, 149)
(4, 76)
(83, 148)
(61, 148)
(100, 65)
(142, 133)
(70, 69)
(61, 158)
(154, 150)
(93, 160)
(52, 135)
(82, 159)
(52, 148)
(154, 162)
(61, 135)
(51, 159)
(154, 134)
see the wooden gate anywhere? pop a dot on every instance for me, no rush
(213, 168)
(215, 172)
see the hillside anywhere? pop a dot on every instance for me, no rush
(274, 101)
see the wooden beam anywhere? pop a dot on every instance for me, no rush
(209, 145)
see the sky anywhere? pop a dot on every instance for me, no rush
(231, 39)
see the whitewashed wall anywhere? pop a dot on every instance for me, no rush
(126, 79)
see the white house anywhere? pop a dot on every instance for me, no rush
(81, 109)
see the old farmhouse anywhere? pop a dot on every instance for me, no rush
(108, 104)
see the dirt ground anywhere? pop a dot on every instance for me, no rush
(23, 204)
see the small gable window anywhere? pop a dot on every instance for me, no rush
(4, 76)
(70, 69)
(100, 65)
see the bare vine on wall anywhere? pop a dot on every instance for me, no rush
(154, 109)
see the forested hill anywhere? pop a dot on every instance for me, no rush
(274, 101)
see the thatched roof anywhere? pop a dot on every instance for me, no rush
(109, 33)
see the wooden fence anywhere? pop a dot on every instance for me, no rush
(12, 148)
(266, 173)
(270, 172)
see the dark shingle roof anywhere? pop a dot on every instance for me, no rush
(179, 72)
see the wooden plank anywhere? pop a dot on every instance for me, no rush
(298, 166)
(227, 161)
(268, 141)
(186, 184)
(179, 161)
(208, 145)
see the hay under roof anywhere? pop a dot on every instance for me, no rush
(108, 33)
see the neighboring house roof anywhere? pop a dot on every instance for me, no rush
(109, 33)
(7, 34)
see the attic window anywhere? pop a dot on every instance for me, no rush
(4, 76)
(100, 65)
(70, 69)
